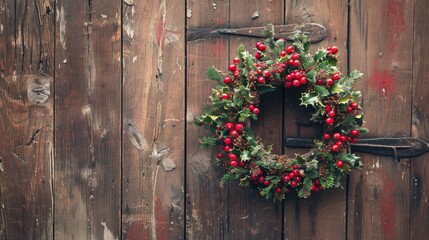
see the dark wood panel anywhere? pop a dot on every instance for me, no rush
(261, 218)
(88, 120)
(206, 199)
(153, 119)
(419, 207)
(26, 120)
(322, 216)
(381, 37)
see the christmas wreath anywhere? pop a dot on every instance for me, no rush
(234, 104)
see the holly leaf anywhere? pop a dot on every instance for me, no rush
(337, 88)
(316, 116)
(245, 155)
(323, 91)
(349, 158)
(310, 98)
(320, 55)
(208, 142)
(214, 74)
(244, 115)
(311, 76)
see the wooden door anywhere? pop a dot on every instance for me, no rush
(97, 100)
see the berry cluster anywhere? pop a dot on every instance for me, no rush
(234, 104)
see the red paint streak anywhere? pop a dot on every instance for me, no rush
(161, 221)
(136, 231)
(388, 208)
(159, 31)
(395, 21)
(382, 81)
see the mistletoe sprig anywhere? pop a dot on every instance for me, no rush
(234, 104)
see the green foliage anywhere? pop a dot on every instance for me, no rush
(213, 74)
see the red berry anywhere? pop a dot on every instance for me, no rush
(295, 167)
(286, 179)
(349, 109)
(228, 148)
(291, 175)
(219, 155)
(267, 183)
(239, 127)
(303, 80)
(225, 96)
(236, 73)
(293, 184)
(335, 148)
(233, 163)
(232, 67)
(343, 139)
(326, 136)
(288, 84)
(290, 49)
(283, 53)
(337, 136)
(339, 143)
(257, 44)
(256, 111)
(353, 105)
(334, 50)
(242, 163)
(254, 177)
(261, 47)
(279, 190)
(234, 134)
(259, 172)
(261, 80)
(227, 80)
(258, 55)
(227, 141)
(320, 82)
(327, 108)
(313, 188)
(340, 164)
(296, 83)
(355, 132)
(232, 156)
(295, 56)
(289, 77)
(329, 82)
(229, 126)
(296, 172)
(261, 179)
(298, 75)
(331, 114)
(296, 63)
(317, 182)
(297, 179)
(266, 73)
(251, 107)
(336, 76)
(236, 60)
(329, 121)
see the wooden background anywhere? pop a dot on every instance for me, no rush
(97, 99)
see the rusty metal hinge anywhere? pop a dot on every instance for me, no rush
(406, 147)
(314, 31)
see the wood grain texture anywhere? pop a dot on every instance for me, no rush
(88, 120)
(206, 199)
(380, 42)
(308, 218)
(419, 207)
(26, 120)
(250, 215)
(154, 112)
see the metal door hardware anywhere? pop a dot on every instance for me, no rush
(406, 147)
(314, 31)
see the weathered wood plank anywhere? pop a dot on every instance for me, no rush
(322, 216)
(88, 120)
(250, 215)
(154, 112)
(206, 199)
(26, 120)
(380, 44)
(419, 207)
